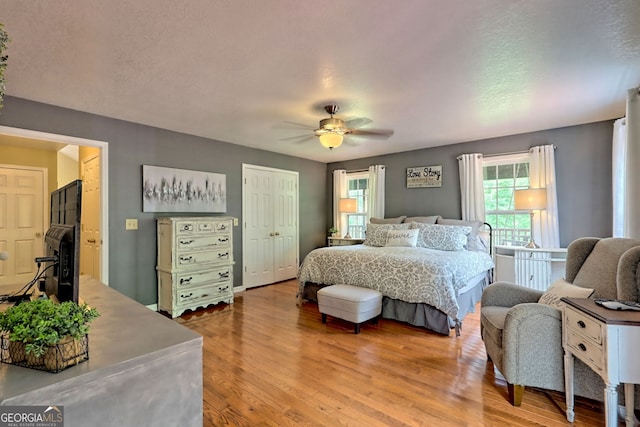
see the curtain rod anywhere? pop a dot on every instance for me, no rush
(514, 152)
(357, 170)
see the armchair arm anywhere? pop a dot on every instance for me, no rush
(504, 294)
(532, 344)
(628, 275)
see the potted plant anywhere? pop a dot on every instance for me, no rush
(332, 231)
(42, 332)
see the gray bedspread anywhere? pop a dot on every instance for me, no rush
(415, 275)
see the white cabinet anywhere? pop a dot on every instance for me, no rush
(533, 268)
(195, 263)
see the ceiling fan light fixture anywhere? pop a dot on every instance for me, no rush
(331, 140)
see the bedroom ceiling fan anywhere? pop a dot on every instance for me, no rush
(332, 130)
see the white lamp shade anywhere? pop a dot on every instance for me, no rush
(530, 199)
(348, 205)
(331, 140)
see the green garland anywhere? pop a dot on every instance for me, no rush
(4, 40)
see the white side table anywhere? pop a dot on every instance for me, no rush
(533, 268)
(607, 341)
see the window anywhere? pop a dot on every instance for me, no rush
(357, 188)
(501, 176)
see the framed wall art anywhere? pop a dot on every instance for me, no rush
(182, 190)
(424, 176)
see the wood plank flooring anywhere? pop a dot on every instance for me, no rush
(268, 362)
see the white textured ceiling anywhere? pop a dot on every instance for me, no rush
(435, 71)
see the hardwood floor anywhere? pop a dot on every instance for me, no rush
(268, 362)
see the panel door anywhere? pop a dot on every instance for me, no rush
(90, 235)
(285, 226)
(258, 234)
(21, 223)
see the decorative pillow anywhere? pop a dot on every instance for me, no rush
(397, 220)
(402, 237)
(442, 237)
(562, 288)
(472, 239)
(376, 234)
(423, 219)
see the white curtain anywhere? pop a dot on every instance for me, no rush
(375, 205)
(542, 174)
(631, 227)
(471, 188)
(618, 161)
(339, 191)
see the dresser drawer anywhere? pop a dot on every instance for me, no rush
(202, 295)
(586, 350)
(202, 242)
(201, 226)
(583, 324)
(195, 279)
(204, 257)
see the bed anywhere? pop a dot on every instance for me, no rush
(431, 277)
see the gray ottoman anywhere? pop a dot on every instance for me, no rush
(350, 303)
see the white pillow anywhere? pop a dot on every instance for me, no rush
(402, 237)
(376, 234)
(560, 289)
(442, 237)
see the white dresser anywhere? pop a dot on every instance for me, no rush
(195, 263)
(533, 268)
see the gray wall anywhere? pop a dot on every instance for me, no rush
(583, 172)
(132, 254)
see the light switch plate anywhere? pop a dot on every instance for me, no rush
(131, 224)
(235, 222)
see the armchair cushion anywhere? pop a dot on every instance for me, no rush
(493, 318)
(560, 289)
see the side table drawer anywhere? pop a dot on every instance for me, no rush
(584, 325)
(586, 350)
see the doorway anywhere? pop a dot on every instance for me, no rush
(102, 146)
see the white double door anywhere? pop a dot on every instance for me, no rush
(270, 225)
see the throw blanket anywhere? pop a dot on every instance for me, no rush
(415, 275)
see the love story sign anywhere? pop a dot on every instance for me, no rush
(424, 176)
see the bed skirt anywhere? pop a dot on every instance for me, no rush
(417, 314)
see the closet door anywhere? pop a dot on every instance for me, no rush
(270, 225)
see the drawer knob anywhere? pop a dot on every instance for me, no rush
(582, 325)
(582, 347)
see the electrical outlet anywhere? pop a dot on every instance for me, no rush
(131, 224)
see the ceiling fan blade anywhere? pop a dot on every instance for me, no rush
(372, 133)
(357, 122)
(299, 139)
(294, 125)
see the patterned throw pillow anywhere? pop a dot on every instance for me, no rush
(402, 237)
(560, 289)
(442, 237)
(376, 234)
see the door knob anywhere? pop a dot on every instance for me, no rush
(38, 234)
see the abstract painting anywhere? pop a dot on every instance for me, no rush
(182, 190)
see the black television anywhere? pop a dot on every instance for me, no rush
(62, 243)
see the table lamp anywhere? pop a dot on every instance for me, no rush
(348, 206)
(531, 199)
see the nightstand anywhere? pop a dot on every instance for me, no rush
(341, 241)
(607, 341)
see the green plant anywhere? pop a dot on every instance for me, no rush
(332, 231)
(41, 323)
(4, 40)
